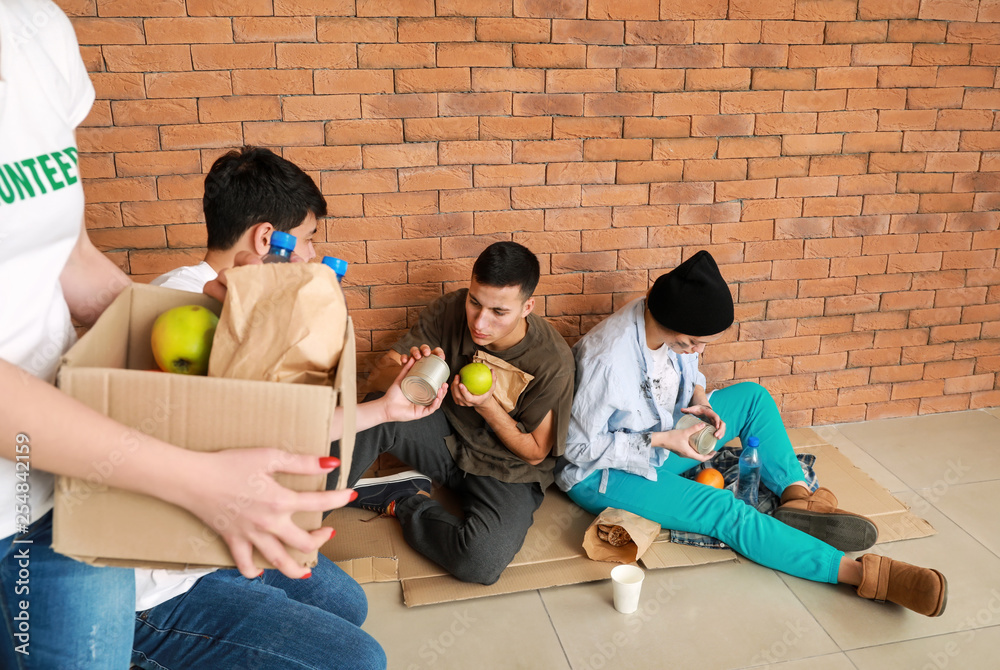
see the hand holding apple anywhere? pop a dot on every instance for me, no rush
(182, 339)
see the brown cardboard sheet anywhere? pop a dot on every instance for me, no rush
(373, 549)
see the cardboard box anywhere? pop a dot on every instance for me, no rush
(374, 550)
(109, 370)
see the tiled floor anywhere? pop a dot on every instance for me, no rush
(741, 615)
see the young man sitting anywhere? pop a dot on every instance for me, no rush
(498, 460)
(249, 193)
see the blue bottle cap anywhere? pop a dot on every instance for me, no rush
(338, 265)
(753, 442)
(283, 240)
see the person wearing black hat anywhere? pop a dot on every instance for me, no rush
(637, 376)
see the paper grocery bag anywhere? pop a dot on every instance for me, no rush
(282, 322)
(643, 533)
(508, 381)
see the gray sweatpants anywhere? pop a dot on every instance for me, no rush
(497, 514)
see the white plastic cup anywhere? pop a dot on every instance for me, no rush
(421, 383)
(626, 580)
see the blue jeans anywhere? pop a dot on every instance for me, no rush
(682, 504)
(228, 621)
(79, 616)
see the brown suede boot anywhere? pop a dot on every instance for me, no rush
(817, 514)
(923, 590)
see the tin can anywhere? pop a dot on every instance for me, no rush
(704, 440)
(421, 383)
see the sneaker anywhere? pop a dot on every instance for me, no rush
(380, 494)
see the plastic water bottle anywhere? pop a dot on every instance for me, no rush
(338, 265)
(281, 248)
(749, 481)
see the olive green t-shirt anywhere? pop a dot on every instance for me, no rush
(542, 353)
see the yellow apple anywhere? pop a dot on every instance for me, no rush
(182, 339)
(476, 377)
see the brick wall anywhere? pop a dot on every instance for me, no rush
(840, 158)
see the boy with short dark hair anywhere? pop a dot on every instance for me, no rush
(497, 454)
(249, 193)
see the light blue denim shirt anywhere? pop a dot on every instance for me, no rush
(614, 412)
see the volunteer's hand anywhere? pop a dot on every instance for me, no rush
(677, 442)
(465, 398)
(416, 353)
(217, 287)
(708, 414)
(234, 492)
(398, 408)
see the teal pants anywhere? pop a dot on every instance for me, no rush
(682, 504)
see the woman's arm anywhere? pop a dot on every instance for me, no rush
(90, 281)
(69, 438)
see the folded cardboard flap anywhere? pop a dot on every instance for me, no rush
(107, 526)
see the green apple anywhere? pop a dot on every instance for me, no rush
(476, 377)
(182, 339)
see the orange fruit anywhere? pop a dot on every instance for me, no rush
(711, 477)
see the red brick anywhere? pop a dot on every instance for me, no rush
(156, 163)
(684, 148)
(337, 182)
(313, 7)
(321, 107)
(532, 174)
(283, 133)
(187, 31)
(588, 32)
(782, 208)
(484, 54)
(143, 58)
(797, 145)
(743, 102)
(783, 80)
(831, 207)
(433, 80)
(749, 189)
(562, 128)
(516, 128)
(561, 104)
(755, 147)
(638, 172)
(624, 149)
(400, 106)
(728, 79)
(682, 9)
(792, 32)
(274, 29)
(854, 32)
(492, 151)
(325, 158)
(811, 56)
(539, 197)
(494, 222)
(762, 168)
(876, 99)
(893, 76)
(815, 101)
(467, 200)
(846, 77)
(394, 204)
(659, 32)
(354, 81)
(717, 169)
(549, 56)
(548, 151)
(268, 82)
(508, 79)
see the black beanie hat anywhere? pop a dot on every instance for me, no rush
(693, 298)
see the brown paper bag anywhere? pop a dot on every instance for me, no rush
(282, 322)
(642, 531)
(508, 381)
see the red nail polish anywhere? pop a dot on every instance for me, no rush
(333, 531)
(306, 576)
(354, 496)
(329, 462)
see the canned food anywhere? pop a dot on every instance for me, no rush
(704, 440)
(421, 383)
